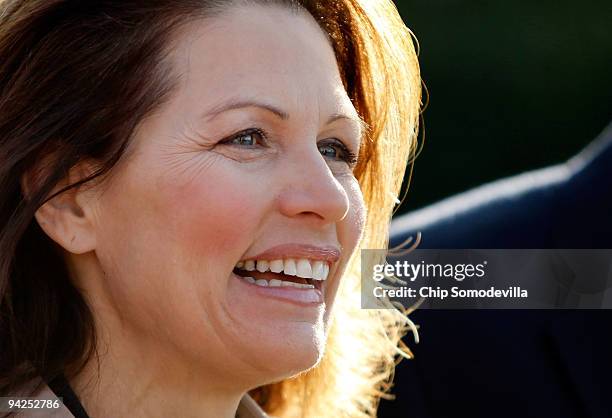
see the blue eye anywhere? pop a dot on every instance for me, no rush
(336, 150)
(248, 138)
(329, 151)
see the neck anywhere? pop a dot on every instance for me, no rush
(134, 375)
(134, 380)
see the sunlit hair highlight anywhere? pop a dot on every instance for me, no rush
(378, 62)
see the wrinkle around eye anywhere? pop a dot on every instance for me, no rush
(186, 142)
(186, 156)
(341, 170)
(186, 166)
(237, 158)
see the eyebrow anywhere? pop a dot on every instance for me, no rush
(362, 124)
(241, 104)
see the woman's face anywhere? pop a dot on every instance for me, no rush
(249, 160)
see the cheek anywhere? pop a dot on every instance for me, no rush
(350, 231)
(213, 218)
(352, 227)
(178, 236)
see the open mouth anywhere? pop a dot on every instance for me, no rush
(298, 273)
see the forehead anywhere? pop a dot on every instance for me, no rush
(269, 52)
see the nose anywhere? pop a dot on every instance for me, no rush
(311, 190)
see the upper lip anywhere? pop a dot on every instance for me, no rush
(311, 252)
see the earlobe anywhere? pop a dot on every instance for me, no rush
(66, 218)
(66, 224)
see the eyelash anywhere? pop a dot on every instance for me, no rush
(246, 132)
(349, 157)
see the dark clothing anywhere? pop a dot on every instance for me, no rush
(530, 363)
(61, 387)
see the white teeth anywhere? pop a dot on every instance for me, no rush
(304, 269)
(287, 284)
(275, 283)
(317, 270)
(262, 266)
(290, 267)
(298, 285)
(276, 266)
(305, 286)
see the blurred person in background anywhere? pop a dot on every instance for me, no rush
(520, 92)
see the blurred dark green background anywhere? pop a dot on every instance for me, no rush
(513, 85)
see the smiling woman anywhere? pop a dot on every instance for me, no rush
(184, 188)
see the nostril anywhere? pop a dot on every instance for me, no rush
(312, 214)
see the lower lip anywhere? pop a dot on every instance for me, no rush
(302, 297)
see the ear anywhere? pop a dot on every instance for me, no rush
(68, 218)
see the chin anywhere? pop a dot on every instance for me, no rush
(290, 353)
